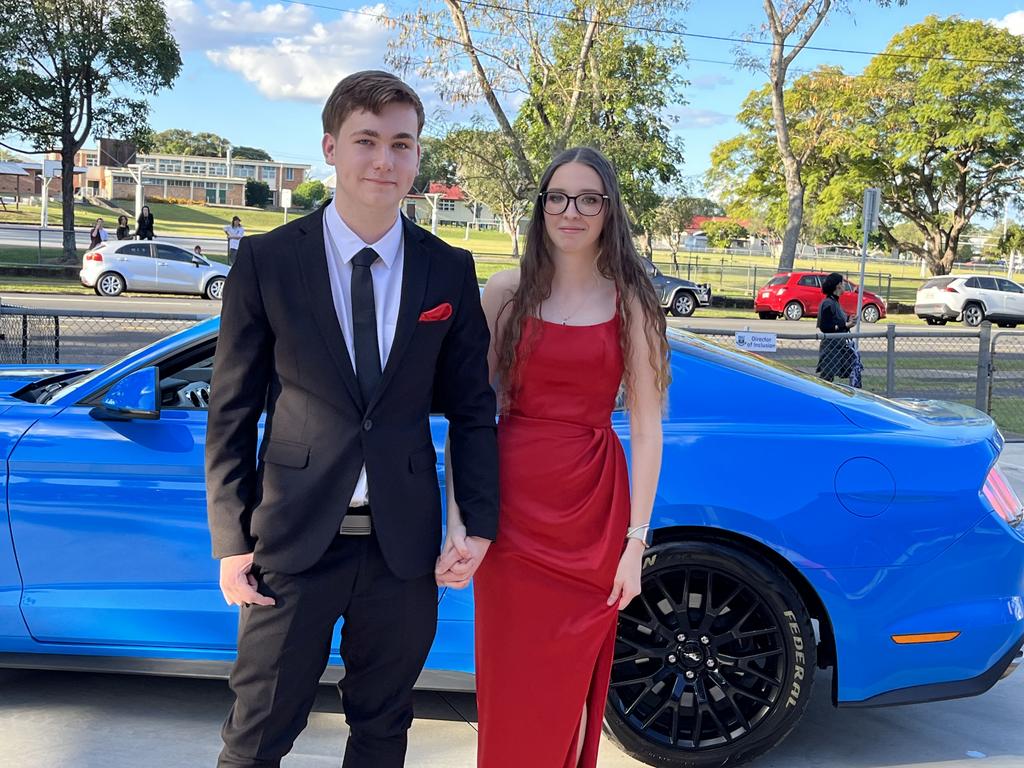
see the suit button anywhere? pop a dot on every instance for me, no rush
(368, 425)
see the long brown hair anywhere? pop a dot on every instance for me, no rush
(617, 260)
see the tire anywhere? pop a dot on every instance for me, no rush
(767, 315)
(110, 284)
(870, 313)
(793, 311)
(214, 290)
(753, 688)
(683, 304)
(973, 314)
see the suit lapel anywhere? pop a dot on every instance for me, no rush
(312, 258)
(414, 286)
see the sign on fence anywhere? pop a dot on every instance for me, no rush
(755, 342)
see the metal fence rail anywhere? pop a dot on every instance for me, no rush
(981, 367)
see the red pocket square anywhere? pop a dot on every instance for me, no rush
(438, 313)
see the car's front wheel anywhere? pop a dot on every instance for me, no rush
(714, 661)
(683, 304)
(794, 310)
(870, 313)
(110, 284)
(215, 289)
(973, 315)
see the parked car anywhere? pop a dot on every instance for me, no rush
(971, 298)
(150, 266)
(893, 550)
(796, 294)
(680, 297)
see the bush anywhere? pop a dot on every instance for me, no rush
(309, 194)
(720, 234)
(257, 193)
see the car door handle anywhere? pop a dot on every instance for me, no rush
(161, 263)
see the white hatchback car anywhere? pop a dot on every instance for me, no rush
(971, 298)
(150, 266)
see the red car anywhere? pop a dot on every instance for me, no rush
(795, 294)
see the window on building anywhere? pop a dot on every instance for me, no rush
(289, 174)
(178, 183)
(148, 165)
(92, 160)
(151, 180)
(446, 206)
(122, 179)
(268, 173)
(244, 171)
(195, 167)
(218, 169)
(169, 166)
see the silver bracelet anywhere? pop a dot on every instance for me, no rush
(631, 533)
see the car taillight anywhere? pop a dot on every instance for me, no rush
(1003, 498)
(950, 289)
(94, 256)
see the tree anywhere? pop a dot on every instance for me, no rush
(487, 173)
(436, 165)
(250, 153)
(72, 66)
(257, 193)
(791, 20)
(548, 57)
(941, 132)
(177, 141)
(675, 215)
(720, 234)
(1012, 243)
(309, 194)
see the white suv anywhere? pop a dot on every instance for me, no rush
(971, 298)
(116, 266)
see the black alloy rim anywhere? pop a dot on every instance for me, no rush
(700, 660)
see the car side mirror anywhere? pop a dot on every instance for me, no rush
(133, 397)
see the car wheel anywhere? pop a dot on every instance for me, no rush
(794, 310)
(714, 660)
(870, 313)
(683, 304)
(973, 315)
(215, 289)
(767, 315)
(110, 284)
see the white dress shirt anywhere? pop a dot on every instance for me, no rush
(342, 244)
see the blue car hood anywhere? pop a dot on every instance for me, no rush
(14, 377)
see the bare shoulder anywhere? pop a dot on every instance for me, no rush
(501, 285)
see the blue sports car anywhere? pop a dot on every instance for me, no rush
(797, 526)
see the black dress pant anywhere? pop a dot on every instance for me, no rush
(283, 650)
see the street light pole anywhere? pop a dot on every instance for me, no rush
(872, 201)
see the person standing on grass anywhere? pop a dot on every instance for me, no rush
(234, 233)
(144, 231)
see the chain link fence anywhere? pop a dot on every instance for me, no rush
(979, 367)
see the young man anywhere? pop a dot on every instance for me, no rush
(349, 325)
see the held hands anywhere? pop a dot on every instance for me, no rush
(237, 583)
(627, 576)
(460, 557)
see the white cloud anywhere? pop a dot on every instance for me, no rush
(306, 66)
(1013, 21)
(710, 82)
(692, 117)
(206, 24)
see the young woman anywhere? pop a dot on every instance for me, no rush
(123, 231)
(144, 230)
(97, 234)
(835, 356)
(575, 325)
(234, 234)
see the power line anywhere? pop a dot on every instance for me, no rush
(655, 30)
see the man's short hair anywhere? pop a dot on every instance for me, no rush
(370, 90)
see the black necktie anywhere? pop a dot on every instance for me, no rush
(364, 324)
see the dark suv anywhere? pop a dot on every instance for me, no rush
(680, 297)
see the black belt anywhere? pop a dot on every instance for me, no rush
(356, 522)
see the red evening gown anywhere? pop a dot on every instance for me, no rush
(544, 632)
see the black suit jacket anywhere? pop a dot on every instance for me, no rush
(281, 346)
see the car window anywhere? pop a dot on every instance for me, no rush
(134, 249)
(987, 283)
(938, 282)
(848, 286)
(1009, 286)
(171, 253)
(812, 280)
(652, 271)
(778, 280)
(971, 282)
(185, 379)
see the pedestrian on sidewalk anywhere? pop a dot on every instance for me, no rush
(835, 357)
(97, 234)
(123, 232)
(234, 233)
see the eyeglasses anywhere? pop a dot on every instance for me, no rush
(587, 203)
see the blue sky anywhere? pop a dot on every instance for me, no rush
(257, 72)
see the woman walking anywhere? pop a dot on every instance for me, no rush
(835, 357)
